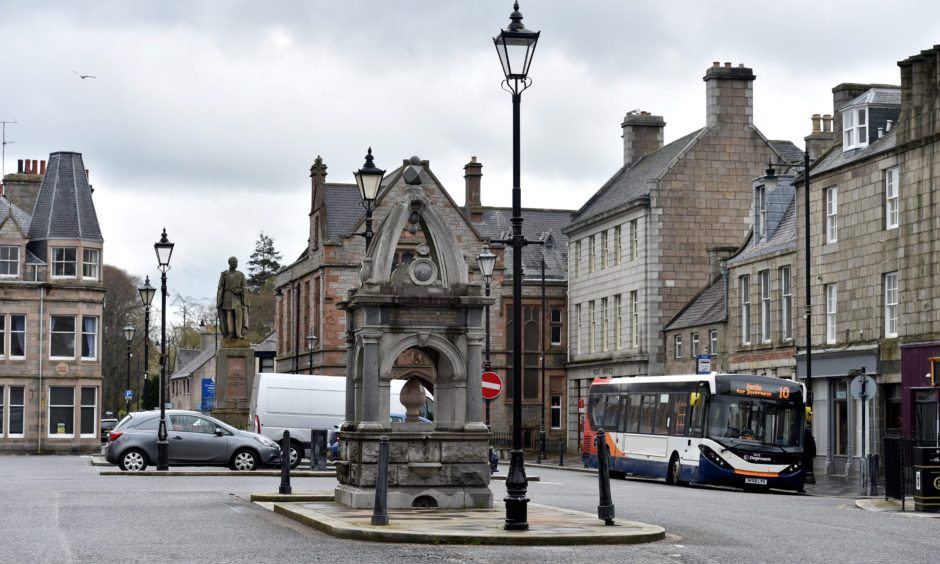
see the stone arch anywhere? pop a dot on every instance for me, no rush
(451, 262)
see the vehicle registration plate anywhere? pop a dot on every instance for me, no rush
(757, 481)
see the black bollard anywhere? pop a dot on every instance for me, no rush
(541, 453)
(561, 455)
(285, 464)
(605, 510)
(380, 511)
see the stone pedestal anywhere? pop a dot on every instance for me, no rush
(425, 469)
(234, 378)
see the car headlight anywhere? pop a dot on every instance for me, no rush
(266, 441)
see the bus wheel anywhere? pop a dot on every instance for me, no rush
(617, 475)
(675, 472)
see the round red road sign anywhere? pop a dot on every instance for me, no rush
(492, 385)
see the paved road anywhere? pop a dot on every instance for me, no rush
(59, 509)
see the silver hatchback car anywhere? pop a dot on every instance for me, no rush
(193, 439)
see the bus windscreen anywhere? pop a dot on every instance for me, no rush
(755, 424)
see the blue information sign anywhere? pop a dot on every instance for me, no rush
(128, 394)
(208, 394)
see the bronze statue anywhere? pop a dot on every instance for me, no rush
(232, 302)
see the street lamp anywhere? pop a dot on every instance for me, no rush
(129, 337)
(487, 261)
(164, 250)
(146, 297)
(311, 342)
(515, 46)
(368, 178)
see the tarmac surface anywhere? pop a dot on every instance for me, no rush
(549, 526)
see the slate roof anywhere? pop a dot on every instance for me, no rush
(193, 362)
(537, 224)
(877, 97)
(836, 157)
(9, 210)
(706, 308)
(267, 344)
(630, 182)
(783, 239)
(789, 152)
(343, 209)
(64, 207)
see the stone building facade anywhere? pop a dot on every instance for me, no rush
(311, 287)
(646, 243)
(51, 300)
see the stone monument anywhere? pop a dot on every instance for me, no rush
(235, 361)
(428, 305)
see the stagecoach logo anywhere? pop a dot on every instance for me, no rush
(756, 458)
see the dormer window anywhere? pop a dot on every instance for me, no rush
(63, 262)
(854, 128)
(760, 212)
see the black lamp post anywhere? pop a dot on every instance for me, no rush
(515, 46)
(368, 178)
(146, 297)
(164, 250)
(311, 342)
(129, 337)
(487, 261)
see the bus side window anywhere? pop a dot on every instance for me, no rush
(611, 412)
(633, 413)
(697, 415)
(647, 413)
(680, 405)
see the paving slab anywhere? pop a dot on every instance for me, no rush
(547, 525)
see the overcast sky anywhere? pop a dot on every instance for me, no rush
(205, 116)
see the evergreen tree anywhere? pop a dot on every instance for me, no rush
(263, 262)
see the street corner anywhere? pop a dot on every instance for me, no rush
(548, 526)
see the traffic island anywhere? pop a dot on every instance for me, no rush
(548, 526)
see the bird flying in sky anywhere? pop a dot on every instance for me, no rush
(84, 76)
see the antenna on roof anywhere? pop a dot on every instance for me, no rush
(3, 159)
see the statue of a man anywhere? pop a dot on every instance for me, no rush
(232, 301)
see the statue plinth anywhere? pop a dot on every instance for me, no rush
(234, 379)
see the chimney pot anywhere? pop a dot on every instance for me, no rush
(715, 64)
(827, 123)
(728, 65)
(19, 166)
(881, 132)
(888, 125)
(42, 167)
(35, 167)
(816, 119)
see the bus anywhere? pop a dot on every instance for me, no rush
(735, 430)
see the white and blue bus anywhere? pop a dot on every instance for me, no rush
(725, 429)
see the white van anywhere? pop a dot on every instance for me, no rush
(301, 402)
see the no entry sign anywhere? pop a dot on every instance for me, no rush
(492, 385)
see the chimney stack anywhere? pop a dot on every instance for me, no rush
(820, 139)
(317, 180)
(642, 134)
(920, 101)
(473, 172)
(729, 96)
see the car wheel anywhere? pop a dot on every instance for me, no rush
(133, 460)
(244, 460)
(296, 454)
(675, 472)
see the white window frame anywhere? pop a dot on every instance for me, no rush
(577, 328)
(634, 240)
(713, 342)
(635, 319)
(832, 214)
(604, 249)
(760, 209)
(694, 352)
(60, 263)
(10, 262)
(854, 128)
(91, 264)
(52, 333)
(618, 310)
(677, 340)
(892, 199)
(577, 257)
(831, 311)
(10, 333)
(891, 304)
(94, 410)
(94, 337)
(763, 278)
(605, 324)
(592, 258)
(744, 287)
(555, 401)
(7, 412)
(3, 343)
(786, 303)
(49, 407)
(593, 313)
(618, 244)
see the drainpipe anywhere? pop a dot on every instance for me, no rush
(42, 316)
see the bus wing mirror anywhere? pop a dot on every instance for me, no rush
(695, 399)
(809, 414)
